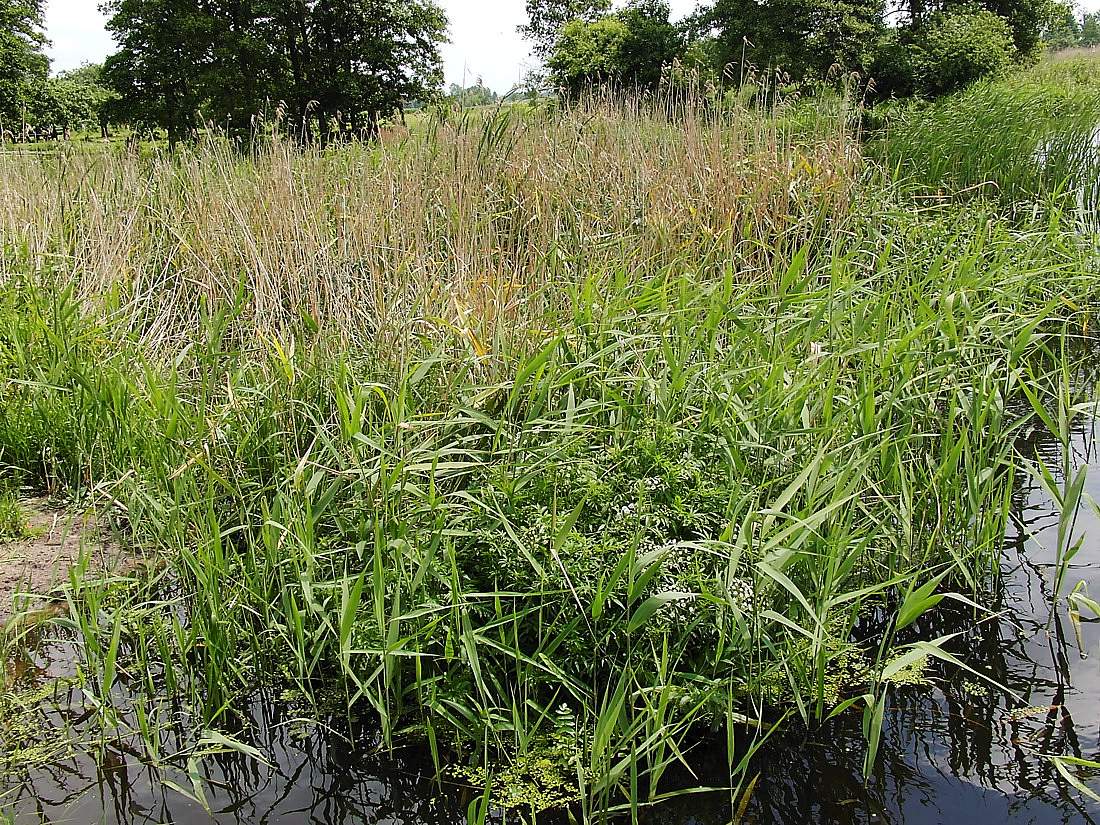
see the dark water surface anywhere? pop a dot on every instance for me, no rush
(959, 753)
(955, 752)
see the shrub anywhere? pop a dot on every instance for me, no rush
(632, 47)
(951, 52)
(588, 53)
(892, 66)
(960, 48)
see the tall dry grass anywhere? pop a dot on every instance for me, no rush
(476, 220)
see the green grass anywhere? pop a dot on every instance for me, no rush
(1020, 140)
(630, 492)
(13, 523)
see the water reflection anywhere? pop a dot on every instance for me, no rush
(957, 752)
(961, 752)
(314, 776)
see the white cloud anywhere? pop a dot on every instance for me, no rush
(76, 30)
(485, 42)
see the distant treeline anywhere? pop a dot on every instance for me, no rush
(903, 47)
(1068, 29)
(336, 68)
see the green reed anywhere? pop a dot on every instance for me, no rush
(1022, 139)
(648, 515)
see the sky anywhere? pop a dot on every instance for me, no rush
(484, 41)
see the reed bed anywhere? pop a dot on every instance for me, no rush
(568, 443)
(1021, 140)
(483, 213)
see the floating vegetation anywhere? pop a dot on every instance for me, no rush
(27, 739)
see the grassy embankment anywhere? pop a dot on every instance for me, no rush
(568, 441)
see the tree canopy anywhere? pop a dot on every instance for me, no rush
(75, 99)
(23, 64)
(342, 65)
(630, 47)
(1065, 30)
(344, 62)
(546, 20)
(909, 46)
(803, 37)
(470, 96)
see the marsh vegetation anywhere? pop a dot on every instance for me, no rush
(571, 445)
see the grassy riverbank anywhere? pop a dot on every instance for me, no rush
(566, 443)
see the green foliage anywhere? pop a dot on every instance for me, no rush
(368, 56)
(343, 64)
(1026, 19)
(653, 44)
(76, 99)
(27, 740)
(472, 96)
(546, 19)
(960, 48)
(631, 48)
(1021, 139)
(540, 778)
(1063, 29)
(1090, 30)
(893, 68)
(13, 524)
(654, 496)
(951, 52)
(587, 53)
(803, 38)
(23, 65)
(934, 51)
(161, 63)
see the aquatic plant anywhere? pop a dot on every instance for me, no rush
(667, 427)
(13, 523)
(1020, 140)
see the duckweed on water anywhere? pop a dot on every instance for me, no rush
(540, 778)
(27, 739)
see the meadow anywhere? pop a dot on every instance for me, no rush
(566, 442)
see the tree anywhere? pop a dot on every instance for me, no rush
(631, 47)
(75, 99)
(343, 63)
(957, 49)
(471, 96)
(1063, 30)
(949, 51)
(1090, 30)
(804, 38)
(371, 55)
(587, 54)
(163, 63)
(23, 65)
(249, 67)
(653, 42)
(1025, 18)
(546, 20)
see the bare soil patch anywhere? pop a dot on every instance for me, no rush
(31, 567)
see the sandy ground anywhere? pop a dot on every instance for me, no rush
(33, 566)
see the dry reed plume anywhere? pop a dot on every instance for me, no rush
(468, 219)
